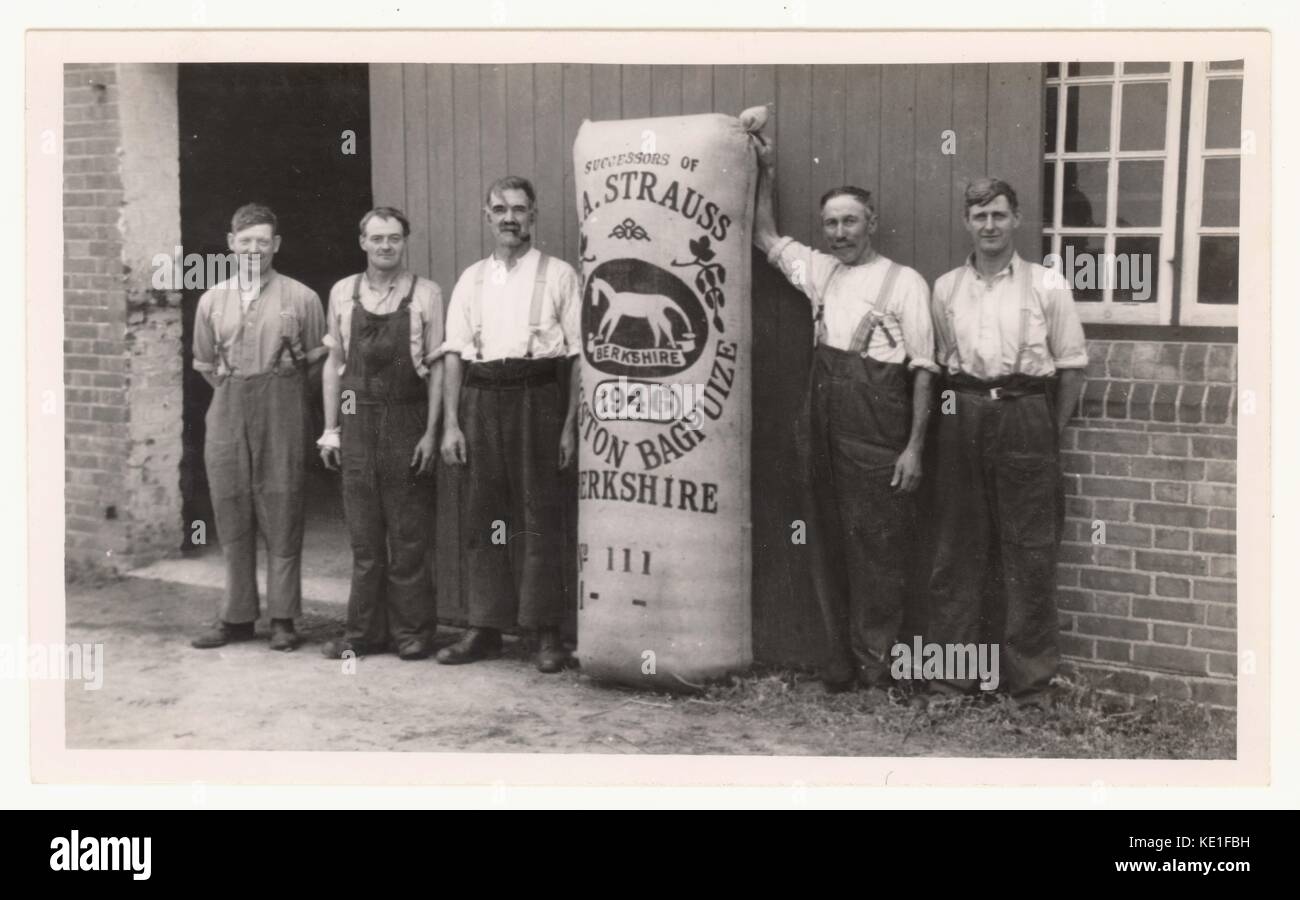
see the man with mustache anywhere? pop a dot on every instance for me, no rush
(863, 426)
(254, 336)
(385, 338)
(1005, 333)
(512, 341)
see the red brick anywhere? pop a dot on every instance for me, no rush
(1176, 659)
(1106, 604)
(1172, 539)
(1073, 601)
(1215, 591)
(1106, 464)
(1221, 470)
(1177, 563)
(1214, 448)
(1223, 519)
(1115, 442)
(1128, 535)
(1113, 557)
(1116, 582)
(1168, 514)
(1167, 469)
(1170, 491)
(1169, 444)
(1221, 616)
(1221, 364)
(1174, 635)
(1214, 495)
(1215, 693)
(1110, 511)
(1223, 567)
(1173, 587)
(1223, 664)
(1117, 487)
(1107, 626)
(1168, 610)
(1114, 651)
(1215, 542)
(1215, 639)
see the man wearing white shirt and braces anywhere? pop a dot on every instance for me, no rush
(512, 343)
(1006, 331)
(863, 427)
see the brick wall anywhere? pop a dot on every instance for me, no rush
(1148, 565)
(122, 352)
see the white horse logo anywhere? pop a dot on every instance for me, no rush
(651, 308)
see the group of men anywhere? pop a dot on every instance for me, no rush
(999, 342)
(496, 367)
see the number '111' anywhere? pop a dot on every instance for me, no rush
(627, 560)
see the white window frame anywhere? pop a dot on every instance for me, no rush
(1108, 310)
(1192, 311)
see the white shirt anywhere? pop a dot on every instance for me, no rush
(849, 293)
(506, 301)
(980, 330)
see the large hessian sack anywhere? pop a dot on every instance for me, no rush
(665, 207)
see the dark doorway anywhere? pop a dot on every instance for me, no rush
(274, 134)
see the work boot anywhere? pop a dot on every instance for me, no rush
(283, 637)
(220, 633)
(475, 644)
(552, 656)
(415, 648)
(340, 648)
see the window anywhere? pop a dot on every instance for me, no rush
(1112, 133)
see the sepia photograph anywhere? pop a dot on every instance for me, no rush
(761, 408)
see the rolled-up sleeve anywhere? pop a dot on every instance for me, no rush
(912, 311)
(427, 346)
(1065, 340)
(459, 334)
(569, 305)
(805, 268)
(313, 322)
(945, 342)
(205, 342)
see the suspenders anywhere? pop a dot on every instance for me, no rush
(875, 316)
(1027, 299)
(534, 307)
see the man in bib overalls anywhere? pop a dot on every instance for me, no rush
(861, 434)
(512, 343)
(1005, 327)
(384, 375)
(254, 336)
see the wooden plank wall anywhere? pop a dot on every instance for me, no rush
(441, 132)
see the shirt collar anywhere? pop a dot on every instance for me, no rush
(528, 257)
(365, 279)
(1010, 269)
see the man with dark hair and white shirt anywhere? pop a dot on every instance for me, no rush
(1007, 329)
(863, 427)
(512, 342)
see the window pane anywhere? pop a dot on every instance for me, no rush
(1083, 198)
(1087, 118)
(1216, 280)
(1091, 68)
(1221, 193)
(1145, 68)
(1228, 64)
(1047, 247)
(1142, 125)
(1049, 194)
(1141, 194)
(1080, 255)
(1223, 114)
(1137, 268)
(1053, 70)
(1049, 122)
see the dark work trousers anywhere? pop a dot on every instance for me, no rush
(999, 505)
(511, 413)
(253, 452)
(853, 428)
(388, 506)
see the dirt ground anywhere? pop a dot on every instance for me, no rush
(158, 693)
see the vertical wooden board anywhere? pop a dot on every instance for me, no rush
(519, 120)
(551, 161)
(862, 127)
(970, 112)
(578, 84)
(829, 99)
(387, 131)
(758, 85)
(728, 90)
(443, 223)
(636, 91)
(666, 91)
(492, 133)
(416, 202)
(1015, 144)
(934, 135)
(469, 177)
(794, 151)
(697, 91)
(897, 162)
(606, 92)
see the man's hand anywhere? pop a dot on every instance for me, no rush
(453, 446)
(568, 448)
(766, 150)
(907, 471)
(330, 456)
(422, 458)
